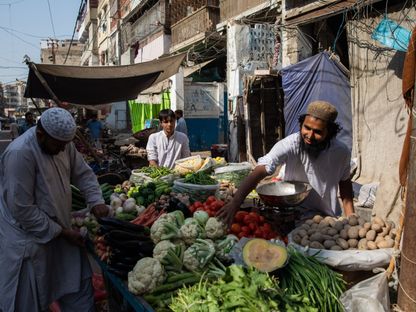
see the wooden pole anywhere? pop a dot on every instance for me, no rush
(59, 103)
(407, 277)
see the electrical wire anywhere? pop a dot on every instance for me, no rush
(23, 40)
(75, 28)
(12, 3)
(50, 16)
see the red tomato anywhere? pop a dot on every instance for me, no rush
(258, 233)
(239, 216)
(197, 204)
(211, 199)
(249, 219)
(252, 226)
(261, 219)
(267, 226)
(241, 235)
(245, 229)
(220, 202)
(254, 216)
(235, 228)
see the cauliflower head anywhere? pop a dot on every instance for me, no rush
(147, 274)
(189, 232)
(161, 249)
(215, 229)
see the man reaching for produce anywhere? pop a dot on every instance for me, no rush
(166, 146)
(41, 256)
(313, 155)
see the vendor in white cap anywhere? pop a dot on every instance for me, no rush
(313, 155)
(41, 257)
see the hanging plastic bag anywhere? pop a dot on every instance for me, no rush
(392, 35)
(370, 295)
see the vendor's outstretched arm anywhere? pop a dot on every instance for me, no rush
(153, 163)
(345, 191)
(249, 183)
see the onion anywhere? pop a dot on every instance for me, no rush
(115, 203)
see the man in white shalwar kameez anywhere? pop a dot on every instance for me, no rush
(41, 258)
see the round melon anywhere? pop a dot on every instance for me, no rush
(264, 255)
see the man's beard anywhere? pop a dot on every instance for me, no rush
(313, 150)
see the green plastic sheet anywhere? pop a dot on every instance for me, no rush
(140, 112)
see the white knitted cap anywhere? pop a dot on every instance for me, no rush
(59, 124)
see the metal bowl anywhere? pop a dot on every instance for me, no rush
(283, 194)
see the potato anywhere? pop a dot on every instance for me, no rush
(347, 227)
(309, 222)
(384, 231)
(327, 237)
(367, 226)
(305, 242)
(362, 232)
(371, 235)
(328, 218)
(371, 245)
(376, 227)
(336, 247)
(352, 242)
(362, 244)
(391, 223)
(332, 231)
(304, 227)
(378, 220)
(314, 226)
(316, 245)
(332, 222)
(317, 219)
(323, 224)
(324, 230)
(344, 234)
(342, 243)
(343, 220)
(311, 231)
(352, 220)
(336, 236)
(297, 238)
(338, 225)
(393, 233)
(388, 237)
(302, 233)
(353, 232)
(379, 239)
(388, 243)
(329, 243)
(361, 221)
(316, 237)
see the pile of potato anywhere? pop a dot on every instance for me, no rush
(345, 233)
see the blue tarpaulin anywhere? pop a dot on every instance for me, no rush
(317, 78)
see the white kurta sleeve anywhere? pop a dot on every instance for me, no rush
(151, 147)
(84, 178)
(20, 168)
(279, 154)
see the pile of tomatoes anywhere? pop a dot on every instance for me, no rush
(251, 224)
(211, 206)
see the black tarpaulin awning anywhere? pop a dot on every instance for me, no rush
(88, 85)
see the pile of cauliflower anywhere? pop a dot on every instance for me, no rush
(180, 245)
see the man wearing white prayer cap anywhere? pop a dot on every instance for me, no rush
(42, 258)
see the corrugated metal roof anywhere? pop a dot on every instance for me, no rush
(326, 12)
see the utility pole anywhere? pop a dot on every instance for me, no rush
(407, 285)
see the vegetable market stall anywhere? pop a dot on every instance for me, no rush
(163, 248)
